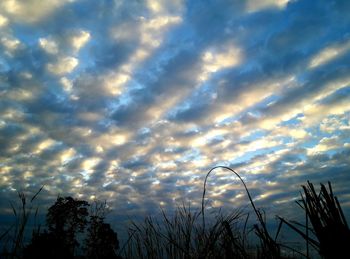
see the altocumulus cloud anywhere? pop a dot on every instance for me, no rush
(134, 101)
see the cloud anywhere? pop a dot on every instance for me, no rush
(80, 39)
(10, 44)
(328, 54)
(256, 5)
(135, 101)
(325, 145)
(63, 65)
(49, 45)
(30, 11)
(3, 21)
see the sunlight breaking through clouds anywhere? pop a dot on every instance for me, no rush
(134, 101)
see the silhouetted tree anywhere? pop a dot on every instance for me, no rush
(101, 241)
(66, 218)
(47, 245)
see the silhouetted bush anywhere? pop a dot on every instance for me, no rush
(65, 220)
(47, 245)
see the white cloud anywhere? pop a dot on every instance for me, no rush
(164, 6)
(328, 54)
(254, 94)
(80, 39)
(63, 65)
(43, 145)
(113, 82)
(31, 10)
(66, 84)
(151, 33)
(317, 111)
(3, 21)
(334, 123)
(11, 44)
(67, 155)
(49, 45)
(258, 5)
(152, 30)
(216, 59)
(296, 133)
(325, 145)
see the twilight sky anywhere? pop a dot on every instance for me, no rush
(134, 101)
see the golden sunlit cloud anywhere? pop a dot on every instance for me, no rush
(3, 21)
(66, 84)
(328, 54)
(90, 163)
(215, 60)
(11, 44)
(64, 65)
(31, 10)
(43, 145)
(324, 145)
(49, 45)
(258, 5)
(67, 155)
(80, 39)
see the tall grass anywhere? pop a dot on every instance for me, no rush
(183, 236)
(269, 246)
(188, 234)
(329, 233)
(13, 239)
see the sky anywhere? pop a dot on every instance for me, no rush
(135, 101)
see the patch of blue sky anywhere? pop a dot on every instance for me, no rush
(312, 142)
(86, 63)
(26, 34)
(339, 94)
(248, 156)
(124, 99)
(254, 135)
(4, 67)
(189, 155)
(295, 121)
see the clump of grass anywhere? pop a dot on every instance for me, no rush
(330, 234)
(13, 238)
(188, 234)
(182, 236)
(269, 247)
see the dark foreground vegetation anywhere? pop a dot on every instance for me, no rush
(76, 229)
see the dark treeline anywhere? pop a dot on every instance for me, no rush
(77, 229)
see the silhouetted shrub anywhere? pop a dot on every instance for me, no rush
(65, 220)
(47, 245)
(101, 240)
